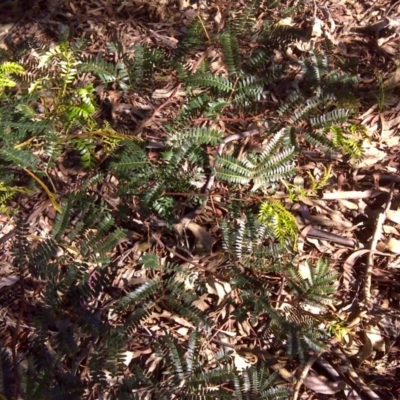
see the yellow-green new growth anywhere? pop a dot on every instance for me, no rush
(6, 193)
(282, 222)
(6, 69)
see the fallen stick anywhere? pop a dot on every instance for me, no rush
(380, 178)
(304, 373)
(377, 234)
(331, 237)
(366, 194)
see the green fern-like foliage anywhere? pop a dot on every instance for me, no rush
(254, 246)
(181, 168)
(192, 41)
(255, 383)
(7, 193)
(230, 48)
(74, 106)
(275, 36)
(316, 284)
(316, 107)
(294, 327)
(109, 269)
(312, 288)
(48, 105)
(185, 373)
(40, 125)
(271, 165)
(251, 243)
(186, 377)
(134, 69)
(244, 85)
(301, 324)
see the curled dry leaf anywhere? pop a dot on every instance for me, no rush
(322, 246)
(365, 350)
(302, 238)
(349, 264)
(393, 79)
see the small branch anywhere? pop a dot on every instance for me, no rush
(8, 236)
(370, 262)
(380, 178)
(237, 119)
(332, 237)
(304, 373)
(366, 194)
(14, 354)
(350, 195)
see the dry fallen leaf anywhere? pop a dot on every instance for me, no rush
(349, 265)
(218, 16)
(219, 288)
(375, 336)
(349, 205)
(176, 318)
(393, 245)
(393, 216)
(9, 281)
(385, 128)
(372, 156)
(203, 238)
(305, 270)
(322, 246)
(321, 384)
(201, 303)
(184, 4)
(127, 357)
(317, 30)
(393, 79)
(390, 230)
(240, 362)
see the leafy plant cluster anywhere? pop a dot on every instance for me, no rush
(87, 326)
(83, 322)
